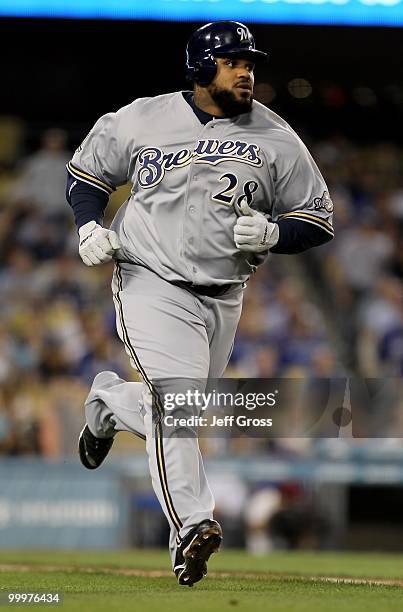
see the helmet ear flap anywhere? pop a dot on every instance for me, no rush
(203, 71)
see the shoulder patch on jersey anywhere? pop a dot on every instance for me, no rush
(323, 202)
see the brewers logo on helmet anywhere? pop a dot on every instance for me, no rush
(218, 39)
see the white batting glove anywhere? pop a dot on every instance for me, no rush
(97, 244)
(253, 232)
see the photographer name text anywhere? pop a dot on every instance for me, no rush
(228, 420)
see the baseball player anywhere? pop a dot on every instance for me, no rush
(219, 181)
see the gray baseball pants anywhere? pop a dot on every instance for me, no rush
(168, 333)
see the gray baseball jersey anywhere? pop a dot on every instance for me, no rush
(187, 179)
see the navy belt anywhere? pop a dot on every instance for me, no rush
(208, 290)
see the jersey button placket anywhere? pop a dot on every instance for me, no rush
(188, 222)
(191, 225)
(194, 210)
(190, 240)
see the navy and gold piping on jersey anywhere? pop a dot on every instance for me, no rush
(309, 218)
(80, 175)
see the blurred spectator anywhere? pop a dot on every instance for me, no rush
(261, 507)
(42, 181)
(298, 522)
(284, 517)
(363, 253)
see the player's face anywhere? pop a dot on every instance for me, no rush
(232, 87)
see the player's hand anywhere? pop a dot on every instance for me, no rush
(253, 232)
(97, 244)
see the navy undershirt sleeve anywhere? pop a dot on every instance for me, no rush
(298, 236)
(88, 202)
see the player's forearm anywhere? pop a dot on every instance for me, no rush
(298, 236)
(88, 202)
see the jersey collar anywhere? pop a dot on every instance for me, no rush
(202, 116)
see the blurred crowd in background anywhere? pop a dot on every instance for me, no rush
(333, 312)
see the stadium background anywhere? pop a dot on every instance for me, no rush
(335, 312)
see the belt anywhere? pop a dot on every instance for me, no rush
(208, 290)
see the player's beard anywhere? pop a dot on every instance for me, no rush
(228, 102)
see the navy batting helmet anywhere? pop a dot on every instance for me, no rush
(218, 39)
